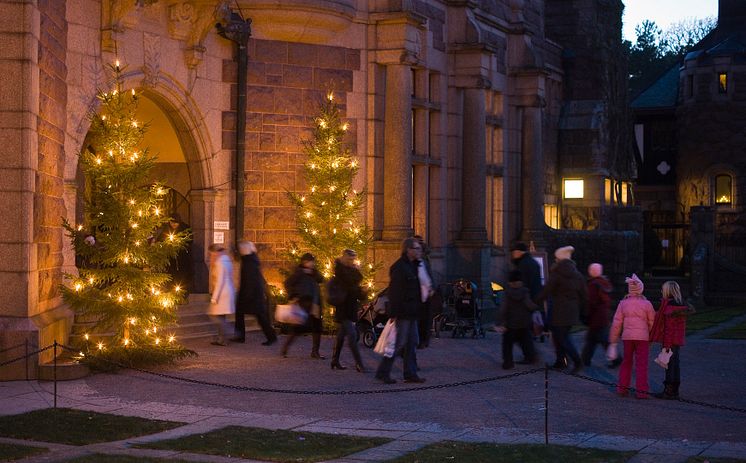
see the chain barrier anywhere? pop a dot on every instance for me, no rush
(2, 351)
(635, 391)
(17, 359)
(312, 392)
(371, 391)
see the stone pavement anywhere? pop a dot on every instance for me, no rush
(581, 412)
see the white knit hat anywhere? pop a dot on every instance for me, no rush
(564, 252)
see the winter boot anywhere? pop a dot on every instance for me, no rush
(316, 344)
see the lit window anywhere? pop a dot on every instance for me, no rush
(625, 191)
(723, 82)
(608, 191)
(573, 188)
(551, 215)
(723, 190)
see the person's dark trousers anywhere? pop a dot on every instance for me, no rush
(594, 337)
(240, 326)
(346, 329)
(316, 328)
(522, 336)
(424, 325)
(673, 373)
(563, 345)
(406, 344)
(263, 321)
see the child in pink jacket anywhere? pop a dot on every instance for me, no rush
(633, 319)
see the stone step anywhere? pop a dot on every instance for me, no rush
(66, 371)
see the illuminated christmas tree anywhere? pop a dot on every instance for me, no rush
(328, 214)
(123, 243)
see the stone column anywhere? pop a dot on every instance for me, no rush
(397, 164)
(473, 227)
(532, 174)
(203, 214)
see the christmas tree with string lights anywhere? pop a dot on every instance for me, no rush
(328, 213)
(123, 243)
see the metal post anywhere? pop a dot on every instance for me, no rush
(55, 373)
(546, 404)
(26, 359)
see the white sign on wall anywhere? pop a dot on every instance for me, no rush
(218, 237)
(220, 225)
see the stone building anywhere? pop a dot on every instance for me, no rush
(691, 130)
(475, 124)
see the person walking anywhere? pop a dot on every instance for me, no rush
(599, 311)
(530, 275)
(222, 292)
(427, 289)
(633, 319)
(345, 293)
(517, 309)
(405, 300)
(251, 295)
(567, 289)
(669, 329)
(303, 285)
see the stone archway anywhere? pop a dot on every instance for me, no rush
(185, 167)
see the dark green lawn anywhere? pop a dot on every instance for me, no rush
(524, 453)
(99, 458)
(711, 316)
(270, 445)
(77, 427)
(734, 332)
(10, 452)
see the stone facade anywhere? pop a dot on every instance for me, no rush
(455, 109)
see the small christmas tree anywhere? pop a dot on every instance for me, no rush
(122, 243)
(327, 215)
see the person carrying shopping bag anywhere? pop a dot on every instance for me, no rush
(669, 329)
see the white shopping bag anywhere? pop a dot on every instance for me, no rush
(664, 357)
(292, 314)
(612, 352)
(386, 344)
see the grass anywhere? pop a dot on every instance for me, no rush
(10, 452)
(98, 458)
(734, 332)
(78, 427)
(713, 460)
(524, 453)
(270, 445)
(711, 316)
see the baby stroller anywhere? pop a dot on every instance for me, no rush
(371, 318)
(461, 311)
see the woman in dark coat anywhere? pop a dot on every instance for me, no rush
(251, 295)
(569, 294)
(346, 281)
(303, 285)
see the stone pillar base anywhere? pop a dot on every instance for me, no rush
(38, 332)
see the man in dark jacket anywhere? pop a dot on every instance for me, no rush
(347, 280)
(251, 295)
(567, 288)
(303, 285)
(529, 268)
(405, 303)
(516, 313)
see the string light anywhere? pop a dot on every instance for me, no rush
(78, 286)
(100, 345)
(171, 338)
(86, 336)
(345, 126)
(330, 96)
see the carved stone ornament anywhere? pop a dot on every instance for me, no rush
(151, 59)
(190, 22)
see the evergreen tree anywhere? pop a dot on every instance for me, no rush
(327, 215)
(123, 243)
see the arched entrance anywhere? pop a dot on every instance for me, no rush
(181, 166)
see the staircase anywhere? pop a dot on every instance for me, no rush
(653, 285)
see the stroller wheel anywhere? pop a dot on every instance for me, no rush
(369, 338)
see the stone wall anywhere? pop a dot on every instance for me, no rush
(286, 86)
(49, 207)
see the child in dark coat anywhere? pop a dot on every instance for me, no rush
(599, 314)
(517, 310)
